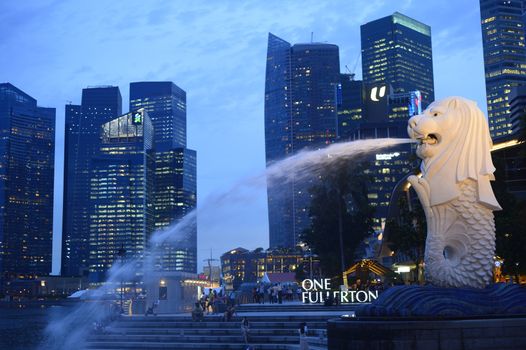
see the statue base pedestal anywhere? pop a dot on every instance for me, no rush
(430, 301)
(428, 318)
(378, 333)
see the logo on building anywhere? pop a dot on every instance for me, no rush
(137, 118)
(377, 93)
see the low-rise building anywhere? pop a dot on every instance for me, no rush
(241, 265)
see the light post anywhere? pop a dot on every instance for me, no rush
(340, 233)
(310, 263)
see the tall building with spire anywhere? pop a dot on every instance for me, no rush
(503, 43)
(300, 113)
(27, 150)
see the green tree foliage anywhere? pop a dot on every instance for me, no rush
(407, 233)
(339, 201)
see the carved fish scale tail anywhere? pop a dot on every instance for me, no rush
(460, 243)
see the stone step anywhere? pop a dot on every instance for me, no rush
(185, 346)
(280, 339)
(205, 331)
(237, 317)
(231, 325)
(294, 308)
(268, 330)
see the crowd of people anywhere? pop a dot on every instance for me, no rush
(275, 293)
(214, 302)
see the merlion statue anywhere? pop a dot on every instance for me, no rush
(455, 191)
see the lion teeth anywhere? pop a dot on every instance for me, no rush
(428, 140)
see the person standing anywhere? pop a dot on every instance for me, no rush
(303, 336)
(261, 293)
(245, 328)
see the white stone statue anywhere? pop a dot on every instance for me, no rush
(455, 191)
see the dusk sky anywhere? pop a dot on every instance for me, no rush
(216, 51)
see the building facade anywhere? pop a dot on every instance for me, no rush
(121, 209)
(350, 95)
(243, 266)
(165, 103)
(503, 44)
(82, 143)
(300, 113)
(398, 83)
(396, 50)
(517, 101)
(27, 155)
(175, 193)
(175, 196)
(386, 167)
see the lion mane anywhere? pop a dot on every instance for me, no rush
(467, 156)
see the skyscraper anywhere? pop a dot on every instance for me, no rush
(175, 193)
(27, 144)
(82, 143)
(176, 196)
(165, 103)
(350, 104)
(504, 49)
(300, 113)
(398, 82)
(121, 192)
(396, 50)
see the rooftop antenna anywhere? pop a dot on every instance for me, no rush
(209, 260)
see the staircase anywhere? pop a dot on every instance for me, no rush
(271, 327)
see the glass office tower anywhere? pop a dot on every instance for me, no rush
(398, 83)
(300, 113)
(396, 50)
(121, 193)
(82, 143)
(27, 155)
(175, 193)
(350, 95)
(504, 58)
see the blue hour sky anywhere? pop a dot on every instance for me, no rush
(216, 51)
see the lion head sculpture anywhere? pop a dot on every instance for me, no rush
(454, 144)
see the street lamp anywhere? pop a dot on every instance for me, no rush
(340, 236)
(310, 263)
(121, 253)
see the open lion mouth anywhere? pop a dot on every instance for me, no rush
(430, 139)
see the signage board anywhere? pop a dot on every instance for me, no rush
(317, 291)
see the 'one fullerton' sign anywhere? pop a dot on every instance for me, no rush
(317, 291)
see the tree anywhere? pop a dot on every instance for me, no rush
(340, 215)
(407, 233)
